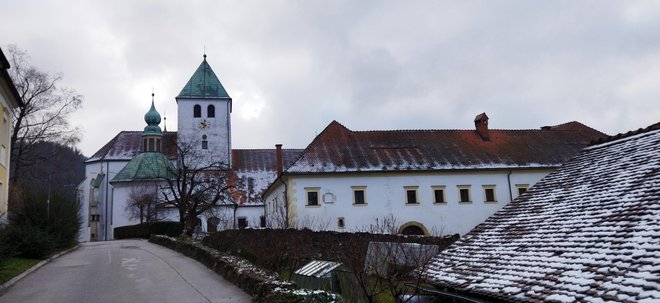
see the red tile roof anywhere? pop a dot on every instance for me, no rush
(246, 160)
(588, 232)
(253, 170)
(338, 149)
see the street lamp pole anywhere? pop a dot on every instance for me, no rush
(50, 176)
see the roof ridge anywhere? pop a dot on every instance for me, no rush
(265, 149)
(455, 129)
(105, 148)
(628, 134)
(304, 151)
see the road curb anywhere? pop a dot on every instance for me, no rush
(8, 284)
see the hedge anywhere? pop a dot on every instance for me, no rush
(145, 230)
(261, 285)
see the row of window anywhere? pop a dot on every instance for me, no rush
(197, 111)
(412, 197)
(151, 144)
(243, 223)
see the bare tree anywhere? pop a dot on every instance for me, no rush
(383, 269)
(45, 114)
(198, 183)
(142, 202)
(277, 214)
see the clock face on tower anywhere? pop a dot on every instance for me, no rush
(203, 124)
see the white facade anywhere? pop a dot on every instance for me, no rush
(97, 202)
(216, 130)
(104, 207)
(386, 199)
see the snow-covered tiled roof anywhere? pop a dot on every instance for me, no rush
(126, 145)
(338, 149)
(588, 232)
(253, 170)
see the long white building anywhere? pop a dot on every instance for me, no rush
(416, 181)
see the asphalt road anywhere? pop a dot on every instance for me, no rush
(123, 271)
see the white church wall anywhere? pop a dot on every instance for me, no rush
(217, 130)
(104, 195)
(386, 197)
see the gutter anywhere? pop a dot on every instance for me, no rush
(107, 185)
(452, 296)
(508, 178)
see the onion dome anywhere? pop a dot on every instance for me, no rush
(152, 117)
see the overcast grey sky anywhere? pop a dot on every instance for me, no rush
(292, 67)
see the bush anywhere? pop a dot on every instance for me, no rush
(292, 248)
(37, 228)
(29, 241)
(7, 248)
(301, 296)
(145, 230)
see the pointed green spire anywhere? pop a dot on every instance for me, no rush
(203, 84)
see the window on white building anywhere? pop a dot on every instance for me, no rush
(359, 195)
(197, 111)
(340, 223)
(464, 194)
(411, 194)
(439, 194)
(205, 143)
(312, 194)
(489, 193)
(522, 188)
(242, 222)
(4, 131)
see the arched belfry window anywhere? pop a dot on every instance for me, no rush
(197, 111)
(210, 111)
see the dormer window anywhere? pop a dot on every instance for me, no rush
(197, 111)
(210, 111)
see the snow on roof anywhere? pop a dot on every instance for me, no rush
(338, 149)
(253, 170)
(126, 145)
(588, 232)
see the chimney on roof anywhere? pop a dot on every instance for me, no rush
(481, 124)
(278, 159)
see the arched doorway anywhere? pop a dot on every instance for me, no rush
(413, 228)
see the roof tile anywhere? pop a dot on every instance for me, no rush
(338, 149)
(588, 232)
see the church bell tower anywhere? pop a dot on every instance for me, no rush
(204, 114)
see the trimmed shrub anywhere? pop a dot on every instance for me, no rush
(145, 230)
(29, 241)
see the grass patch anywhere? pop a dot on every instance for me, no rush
(13, 267)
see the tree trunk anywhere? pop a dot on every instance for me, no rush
(189, 223)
